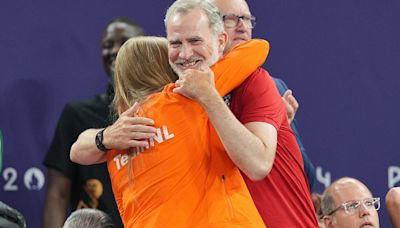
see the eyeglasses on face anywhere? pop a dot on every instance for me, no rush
(232, 20)
(350, 207)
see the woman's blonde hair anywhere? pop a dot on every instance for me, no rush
(141, 68)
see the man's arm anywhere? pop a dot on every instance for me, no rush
(84, 151)
(128, 131)
(57, 199)
(251, 146)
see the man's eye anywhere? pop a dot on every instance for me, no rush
(352, 205)
(196, 42)
(369, 203)
(174, 44)
(230, 18)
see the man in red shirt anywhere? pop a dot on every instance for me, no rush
(282, 197)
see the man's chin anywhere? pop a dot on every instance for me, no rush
(237, 41)
(177, 70)
(180, 70)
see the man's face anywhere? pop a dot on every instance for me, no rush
(191, 44)
(241, 32)
(116, 34)
(362, 216)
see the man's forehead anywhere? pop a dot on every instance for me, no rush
(348, 191)
(239, 7)
(117, 26)
(121, 28)
(180, 18)
(189, 24)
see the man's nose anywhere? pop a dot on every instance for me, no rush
(363, 210)
(241, 25)
(185, 52)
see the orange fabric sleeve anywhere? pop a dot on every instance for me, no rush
(238, 64)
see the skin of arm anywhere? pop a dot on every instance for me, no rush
(128, 131)
(57, 199)
(251, 146)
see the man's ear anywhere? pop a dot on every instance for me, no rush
(328, 221)
(222, 40)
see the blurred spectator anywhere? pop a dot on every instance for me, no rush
(348, 203)
(393, 206)
(70, 184)
(10, 218)
(88, 218)
(316, 198)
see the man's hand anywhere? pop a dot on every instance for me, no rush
(129, 131)
(195, 84)
(291, 104)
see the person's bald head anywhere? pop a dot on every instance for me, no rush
(348, 191)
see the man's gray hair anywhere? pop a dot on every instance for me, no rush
(327, 203)
(89, 218)
(210, 10)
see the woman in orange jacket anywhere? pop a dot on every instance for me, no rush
(184, 178)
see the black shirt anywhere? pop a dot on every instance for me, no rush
(91, 186)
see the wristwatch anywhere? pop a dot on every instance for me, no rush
(99, 141)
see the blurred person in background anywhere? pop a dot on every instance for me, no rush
(393, 206)
(88, 218)
(11, 218)
(71, 185)
(347, 202)
(316, 198)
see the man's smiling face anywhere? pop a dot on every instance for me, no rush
(191, 44)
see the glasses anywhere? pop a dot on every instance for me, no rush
(351, 207)
(232, 20)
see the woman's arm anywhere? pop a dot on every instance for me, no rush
(238, 64)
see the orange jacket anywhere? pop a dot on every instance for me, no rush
(185, 178)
